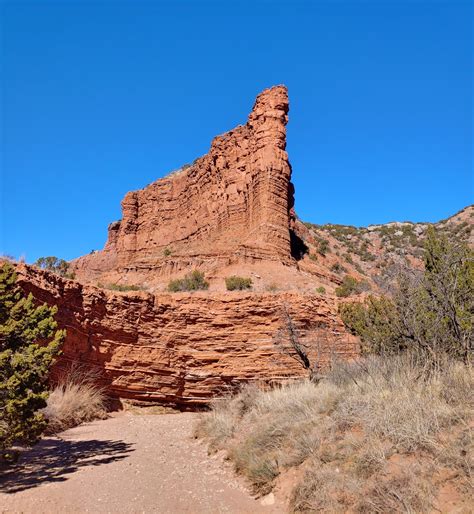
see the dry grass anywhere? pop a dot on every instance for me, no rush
(409, 492)
(347, 432)
(76, 399)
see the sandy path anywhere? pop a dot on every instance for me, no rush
(126, 464)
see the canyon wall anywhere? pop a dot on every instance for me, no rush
(232, 205)
(184, 349)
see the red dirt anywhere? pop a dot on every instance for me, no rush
(127, 464)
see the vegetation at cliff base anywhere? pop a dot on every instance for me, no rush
(120, 287)
(357, 434)
(29, 342)
(387, 432)
(234, 283)
(193, 281)
(76, 398)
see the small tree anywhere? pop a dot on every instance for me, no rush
(287, 339)
(431, 313)
(56, 265)
(29, 342)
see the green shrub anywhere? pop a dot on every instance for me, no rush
(338, 268)
(348, 258)
(167, 252)
(193, 281)
(321, 290)
(350, 286)
(432, 314)
(24, 362)
(56, 265)
(120, 287)
(237, 283)
(323, 247)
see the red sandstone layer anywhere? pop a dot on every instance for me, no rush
(185, 348)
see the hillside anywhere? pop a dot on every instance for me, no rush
(373, 253)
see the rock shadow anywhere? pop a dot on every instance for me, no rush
(298, 247)
(52, 460)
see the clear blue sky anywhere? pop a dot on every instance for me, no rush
(99, 98)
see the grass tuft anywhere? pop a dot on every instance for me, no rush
(76, 399)
(357, 433)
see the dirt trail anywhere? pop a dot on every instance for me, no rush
(126, 464)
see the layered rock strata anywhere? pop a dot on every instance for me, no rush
(232, 205)
(185, 349)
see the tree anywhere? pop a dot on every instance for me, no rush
(56, 265)
(29, 343)
(288, 341)
(431, 313)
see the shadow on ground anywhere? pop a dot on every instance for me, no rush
(53, 459)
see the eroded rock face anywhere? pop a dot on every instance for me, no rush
(232, 205)
(230, 212)
(185, 349)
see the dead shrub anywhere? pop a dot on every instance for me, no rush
(216, 427)
(408, 493)
(345, 429)
(371, 457)
(458, 453)
(76, 399)
(322, 489)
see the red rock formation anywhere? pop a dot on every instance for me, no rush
(230, 212)
(232, 205)
(185, 348)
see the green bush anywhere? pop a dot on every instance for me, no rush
(166, 252)
(234, 283)
(193, 281)
(338, 268)
(29, 342)
(323, 247)
(321, 290)
(350, 286)
(120, 287)
(56, 265)
(432, 314)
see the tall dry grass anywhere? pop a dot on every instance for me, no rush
(348, 430)
(76, 399)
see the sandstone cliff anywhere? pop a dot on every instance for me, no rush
(230, 206)
(185, 349)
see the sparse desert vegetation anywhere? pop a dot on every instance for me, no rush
(385, 433)
(193, 281)
(234, 283)
(120, 287)
(370, 437)
(76, 398)
(350, 286)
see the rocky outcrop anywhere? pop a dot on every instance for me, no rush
(185, 349)
(232, 205)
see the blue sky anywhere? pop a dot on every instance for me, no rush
(99, 98)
